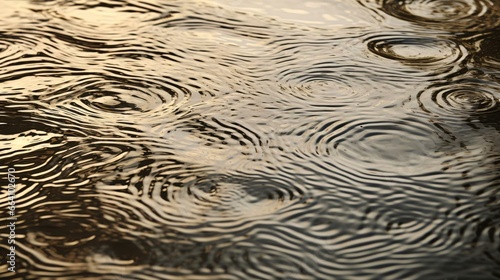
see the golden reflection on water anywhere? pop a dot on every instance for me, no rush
(239, 139)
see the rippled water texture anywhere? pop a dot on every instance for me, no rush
(206, 139)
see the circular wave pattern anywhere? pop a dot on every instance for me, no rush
(446, 14)
(104, 98)
(222, 200)
(472, 101)
(463, 98)
(125, 100)
(374, 146)
(337, 91)
(417, 50)
(327, 81)
(160, 141)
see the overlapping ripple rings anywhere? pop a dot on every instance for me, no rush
(228, 201)
(459, 15)
(460, 99)
(109, 99)
(417, 50)
(431, 58)
(361, 144)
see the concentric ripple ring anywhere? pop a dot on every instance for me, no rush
(464, 98)
(416, 50)
(446, 14)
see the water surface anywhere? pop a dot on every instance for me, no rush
(207, 139)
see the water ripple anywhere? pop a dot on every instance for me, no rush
(227, 202)
(363, 144)
(100, 97)
(461, 15)
(204, 139)
(460, 100)
(417, 51)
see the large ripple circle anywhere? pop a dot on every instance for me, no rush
(380, 147)
(228, 201)
(464, 98)
(92, 99)
(446, 14)
(416, 50)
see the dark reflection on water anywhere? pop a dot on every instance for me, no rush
(249, 140)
